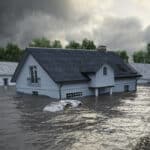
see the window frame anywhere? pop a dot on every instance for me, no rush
(73, 95)
(105, 71)
(33, 74)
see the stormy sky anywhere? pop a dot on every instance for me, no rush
(119, 24)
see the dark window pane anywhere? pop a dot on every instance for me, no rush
(126, 88)
(33, 74)
(104, 71)
(5, 81)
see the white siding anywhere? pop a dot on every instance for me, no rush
(100, 80)
(77, 87)
(48, 86)
(119, 85)
(9, 80)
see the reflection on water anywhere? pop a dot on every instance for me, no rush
(103, 123)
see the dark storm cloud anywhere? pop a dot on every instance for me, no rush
(23, 20)
(14, 11)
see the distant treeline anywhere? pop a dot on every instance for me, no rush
(12, 52)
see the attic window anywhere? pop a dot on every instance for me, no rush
(33, 74)
(105, 71)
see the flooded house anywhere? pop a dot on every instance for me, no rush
(7, 70)
(66, 73)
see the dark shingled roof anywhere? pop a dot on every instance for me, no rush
(73, 65)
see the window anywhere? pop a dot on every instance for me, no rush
(71, 95)
(5, 80)
(33, 74)
(35, 93)
(126, 88)
(105, 71)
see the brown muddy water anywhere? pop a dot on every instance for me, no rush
(105, 123)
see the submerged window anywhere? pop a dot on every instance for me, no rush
(105, 71)
(126, 88)
(71, 95)
(33, 74)
(5, 80)
(35, 93)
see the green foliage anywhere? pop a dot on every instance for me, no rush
(40, 42)
(73, 45)
(123, 54)
(139, 57)
(87, 44)
(56, 44)
(11, 53)
(44, 42)
(2, 54)
(148, 48)
(142, 56)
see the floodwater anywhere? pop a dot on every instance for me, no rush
(105, 123)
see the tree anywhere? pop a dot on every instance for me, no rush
(148, 48)
(73, 45)
(12, 52)
(123, 54)
(40, 42)
(139, 57)
(2, 54)
(56, 44)
(87, 44)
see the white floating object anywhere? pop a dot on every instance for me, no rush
(60, 105)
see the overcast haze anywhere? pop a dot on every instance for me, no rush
(119, 24)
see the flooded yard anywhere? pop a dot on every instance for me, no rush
(105, 123)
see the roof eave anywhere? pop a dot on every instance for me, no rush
(128, 76)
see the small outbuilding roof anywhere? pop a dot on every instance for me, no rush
(143, 69)
(73, 65)
(7, 68)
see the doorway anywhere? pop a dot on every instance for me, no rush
(126, 88)
(5, 81)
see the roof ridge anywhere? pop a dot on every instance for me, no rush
(65, 49)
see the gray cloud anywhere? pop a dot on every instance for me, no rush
(23, 20)
(12, 12)
(147, 35)
(119, 33)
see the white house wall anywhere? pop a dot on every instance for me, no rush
(119, 85)
(100, 80)
(9, 80)
(77, 87)
(47, 85)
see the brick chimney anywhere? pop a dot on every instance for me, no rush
(102, 48)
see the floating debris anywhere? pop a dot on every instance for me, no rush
(61, 105)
